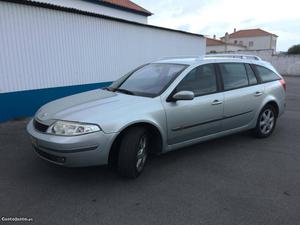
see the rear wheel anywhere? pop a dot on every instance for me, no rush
(266, 122)
(133, 152)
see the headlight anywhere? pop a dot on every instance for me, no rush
(67, 128)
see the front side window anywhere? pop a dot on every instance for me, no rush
(234, 75)
(201, 80)
(149, 80)
(266, 74)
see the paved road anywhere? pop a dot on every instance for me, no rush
(234, 180)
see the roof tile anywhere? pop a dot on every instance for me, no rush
(212, 42)
(127, 4)
(250, 33)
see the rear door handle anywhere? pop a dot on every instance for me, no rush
(258, 93)
(216, 102)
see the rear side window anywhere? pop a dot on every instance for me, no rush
(266, 74)
(201, 81)
(251, 75)
(234, 75)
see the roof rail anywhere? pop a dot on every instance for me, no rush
(239, 56)
(181, 57)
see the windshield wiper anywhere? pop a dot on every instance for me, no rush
(108, 89)
(124, 91)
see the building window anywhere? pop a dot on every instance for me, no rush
(235, 41)
(250, 43)
(240, 42)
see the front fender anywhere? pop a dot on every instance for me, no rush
(159, 126)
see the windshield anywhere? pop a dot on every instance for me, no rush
(149, 80)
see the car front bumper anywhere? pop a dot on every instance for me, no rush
(73, 151)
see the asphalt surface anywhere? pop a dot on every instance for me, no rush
(233, 180)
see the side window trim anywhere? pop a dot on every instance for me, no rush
(247, 74)
(253, 67)
(257, 78)
(220, 85)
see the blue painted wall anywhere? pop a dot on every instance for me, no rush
(25, 103)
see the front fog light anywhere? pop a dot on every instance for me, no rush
(67, 128)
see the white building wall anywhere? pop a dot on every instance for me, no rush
(233, 48)
(216, 48)
(98, 9)
(43, 48)
(260, 42)
(222, 48)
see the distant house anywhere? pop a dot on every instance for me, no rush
(214, 45)
(252, 39)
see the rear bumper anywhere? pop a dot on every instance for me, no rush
(77, 151)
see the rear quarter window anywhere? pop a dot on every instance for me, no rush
(266, 74)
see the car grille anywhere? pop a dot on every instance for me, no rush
(39, 126)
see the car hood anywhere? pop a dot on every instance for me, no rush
(92, 106)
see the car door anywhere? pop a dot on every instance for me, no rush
(190, 119)
(242, 94)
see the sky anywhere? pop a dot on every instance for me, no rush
(209, 17)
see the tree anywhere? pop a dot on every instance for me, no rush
(295, 49)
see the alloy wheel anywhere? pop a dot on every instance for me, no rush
(266, 122)
(141, 153)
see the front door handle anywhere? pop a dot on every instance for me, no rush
(258, 93)
(216, 102)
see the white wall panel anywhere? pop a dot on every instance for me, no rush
(97, 8)
(41, 48)
(259, 42)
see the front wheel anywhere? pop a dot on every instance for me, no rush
(133, 152)
(266, 122)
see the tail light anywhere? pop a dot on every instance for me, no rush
(283, 84)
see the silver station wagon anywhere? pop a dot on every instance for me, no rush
(160, 107)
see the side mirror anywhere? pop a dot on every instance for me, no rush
(184, 95)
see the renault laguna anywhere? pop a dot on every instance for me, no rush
(157, 108)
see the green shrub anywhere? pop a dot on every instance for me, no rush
(294, 49)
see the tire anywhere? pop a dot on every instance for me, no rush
(133, 152)
(266, 122)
